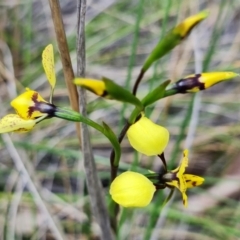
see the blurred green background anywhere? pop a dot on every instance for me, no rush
(119, 37)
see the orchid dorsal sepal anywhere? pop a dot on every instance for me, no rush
(49, 67)
(107, 88)
(197, 82)
(173, 38)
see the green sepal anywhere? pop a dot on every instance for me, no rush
(119, 93)
(113, 139)
(156, 94)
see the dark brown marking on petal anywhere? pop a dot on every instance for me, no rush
(34, 97)
(30, 111)
(33, 108)
(184, 202)
(194, 183)
(187, 84)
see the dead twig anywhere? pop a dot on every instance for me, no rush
(93, 183)
(65, 57)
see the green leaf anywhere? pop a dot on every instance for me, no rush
(113, 139)
(119, 93)
(156, 94)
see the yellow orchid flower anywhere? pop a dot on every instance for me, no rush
(197, 82)
(30, 105)
(176, 178)
(132, 189)
(147, 137)
(14, 123)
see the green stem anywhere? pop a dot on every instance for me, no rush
(170, 92)
(73, 116)
(70, 115)
(134, 115)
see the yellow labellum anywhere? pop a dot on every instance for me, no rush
(48, 64)
(25, 104)
(147, 137)
(14, 123)
(185, 27)
(131, 189)
(96, 86)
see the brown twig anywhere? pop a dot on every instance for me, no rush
(138, 80)
(65, 57)
(95, 191)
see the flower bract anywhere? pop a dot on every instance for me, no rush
(147, 137)
(132, 189)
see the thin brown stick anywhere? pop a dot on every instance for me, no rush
(95, 190)
(65, 57)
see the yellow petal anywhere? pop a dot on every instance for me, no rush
(186, 26)
(173, 183)
(184, 198)
(193, 180)
(131, 189)
(96, 86)
(147, 137)
(48, 64)
(26, 104)
(182, 167)
(14, 123)
(209, 79)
